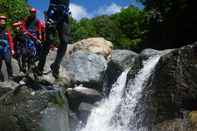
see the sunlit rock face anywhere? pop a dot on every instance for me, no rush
(97, 45)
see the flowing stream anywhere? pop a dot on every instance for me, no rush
(117, 112)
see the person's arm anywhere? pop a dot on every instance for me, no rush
(10, 40)
(15, 42)
(29, 34)
(32, 36)
(39, 29)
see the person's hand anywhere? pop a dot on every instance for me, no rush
(39, 41)
(12, 52)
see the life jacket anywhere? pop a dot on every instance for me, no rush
(63, 2)
(30, 48)
(32, 28)
(4, 44)
(58, 10)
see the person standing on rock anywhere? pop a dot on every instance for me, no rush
(57, 19)
(33, 25)
(6, 48)
(25, 49)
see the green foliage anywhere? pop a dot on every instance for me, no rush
(106, 27)
(130, 21)
(124, 29)
(81, 30)
(13, 9)
(172, 23)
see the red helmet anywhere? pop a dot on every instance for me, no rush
(2, 17)
(17, 24)
(33, 10)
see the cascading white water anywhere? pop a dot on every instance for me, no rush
(105, 117)
(101, 116)
(126, 115)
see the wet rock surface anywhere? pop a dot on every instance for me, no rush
(171, 90)
(25, 109)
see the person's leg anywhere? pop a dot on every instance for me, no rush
(63, 33)
(18, 56)
(8, 62)
(45, 50)
(1, 74)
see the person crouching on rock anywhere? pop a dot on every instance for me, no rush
(6, 48)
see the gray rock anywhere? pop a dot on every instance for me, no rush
(7, 86)
(64, 80)
(172, 88)
(86, 68)
(174, 125)
(146, 53)
(80, 94)
(25, 109)
(123, 58)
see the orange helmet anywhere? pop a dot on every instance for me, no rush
(33, 10)
(2, 17)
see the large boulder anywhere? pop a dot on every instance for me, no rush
(86, 68)
(97, 45)
(171, 89)
(24, 109)
(64, 79)
(84, 63)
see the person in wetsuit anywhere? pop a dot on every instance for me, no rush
(57, 20)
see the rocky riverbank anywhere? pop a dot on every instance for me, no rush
(88, 71)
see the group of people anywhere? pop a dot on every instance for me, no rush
(33, 38)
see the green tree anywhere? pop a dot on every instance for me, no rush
(14, 9)
(107, 28)
(130, 21)
(172, 23)
(124, 29)
(82, 29)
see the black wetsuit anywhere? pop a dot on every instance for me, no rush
(58, 12)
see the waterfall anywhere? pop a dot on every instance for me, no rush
(116, 112)
(126, 115)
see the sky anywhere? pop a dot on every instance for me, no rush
(88, 8)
